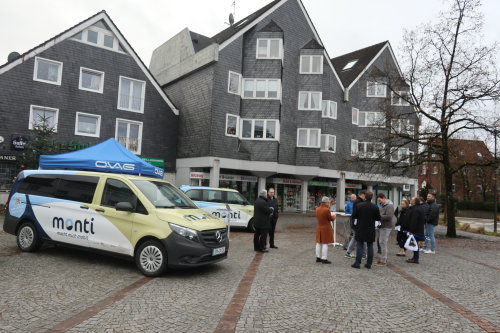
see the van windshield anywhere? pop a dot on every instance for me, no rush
(164, 195)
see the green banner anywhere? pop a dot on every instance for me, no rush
(157, 162)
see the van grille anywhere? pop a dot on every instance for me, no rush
(209, 238)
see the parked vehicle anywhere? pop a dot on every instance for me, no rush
(146, 219)
(214, 200)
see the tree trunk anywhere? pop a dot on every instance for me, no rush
(449, 203)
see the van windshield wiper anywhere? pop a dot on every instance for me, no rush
(171, 206)
(184, 206)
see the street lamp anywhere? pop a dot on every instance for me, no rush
(495, 197)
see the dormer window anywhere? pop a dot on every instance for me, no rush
(350, 64)
(98, 36)
(269, 48)
(311, 64)
(375, 89)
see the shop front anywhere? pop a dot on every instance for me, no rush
(287, 192)
(317, 189)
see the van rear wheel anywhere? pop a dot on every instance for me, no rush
(27, 238)
(151, 258)
(251, 226)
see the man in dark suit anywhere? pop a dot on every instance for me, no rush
(366, 213)
(262, 221)
(273, 202)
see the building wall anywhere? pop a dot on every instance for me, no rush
(18, 91)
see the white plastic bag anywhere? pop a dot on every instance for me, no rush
(397, 228)
(411, 243)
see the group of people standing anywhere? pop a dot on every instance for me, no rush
(265, 217)
(370, 223)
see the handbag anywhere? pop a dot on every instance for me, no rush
(411, 244)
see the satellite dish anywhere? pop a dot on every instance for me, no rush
(13, 56)
(231, 19)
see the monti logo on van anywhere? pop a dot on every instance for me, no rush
(77, 225)
(117, 165)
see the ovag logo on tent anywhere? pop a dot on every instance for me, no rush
(85, 226)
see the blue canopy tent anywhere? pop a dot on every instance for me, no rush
(107, 156)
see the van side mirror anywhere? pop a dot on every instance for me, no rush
(124, 206)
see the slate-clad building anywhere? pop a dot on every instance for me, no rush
(263, 104)
(89, 85)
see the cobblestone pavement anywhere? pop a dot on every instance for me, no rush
(53, 290)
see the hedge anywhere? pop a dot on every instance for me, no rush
(477, 205)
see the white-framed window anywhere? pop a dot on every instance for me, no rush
(87, 124)
(131, 94)
(234, 83)
(328, 143)
(401, 155)
(232, 125)
(355, 116)
(371, 119)
(435, 170)
(402, 126)
(400, 98)
(350, 64)
(91, 80)
(371, 149)
(375, 89)
(354, 147)
(269, 48)
(308, 137)
(311, 64)
(42, 114)
(99, 37)
(48, 71)
(259, 129)
(310, 100)
(129, 134)
(424, 169)
(453, 187)
(329, 109)
(261, 88)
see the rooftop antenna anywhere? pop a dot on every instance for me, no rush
(232, 15)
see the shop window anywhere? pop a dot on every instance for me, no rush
(43, 116)
(329, 109)
(269, 48)
(129, 134)
(232, 122)
(375, 89)
(311, 64)
(259, 129)
(234, 83)
(91, 80)
(308, 137)
(87, 124)
(131, 94)
(400, 98)
(261, 88)
(328, 143)
(310, 100)
(48, 71)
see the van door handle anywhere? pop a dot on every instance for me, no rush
(84, 207)
(100, 210)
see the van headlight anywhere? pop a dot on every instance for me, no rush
(185, 232)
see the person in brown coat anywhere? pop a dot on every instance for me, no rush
(324, 230)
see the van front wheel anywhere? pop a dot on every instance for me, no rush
(27, 238)
(151, 258)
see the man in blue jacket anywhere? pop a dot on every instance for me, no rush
(431, 222)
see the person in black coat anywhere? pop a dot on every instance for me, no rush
(402, 213)
(262, 221)
(273, 202)
(366, 213)
(416, 222)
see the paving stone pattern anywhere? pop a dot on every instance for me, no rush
(290, 292)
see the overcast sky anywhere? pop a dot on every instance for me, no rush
(343, 25)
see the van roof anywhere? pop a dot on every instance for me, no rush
(189, 187)
(86, 173)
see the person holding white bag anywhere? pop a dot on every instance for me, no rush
(416, 222)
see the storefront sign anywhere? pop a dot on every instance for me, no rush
(157, 162)
(355, 186)
(322, 184)
(7, 158)
(19, 142)
(286, 181)
(227, 177)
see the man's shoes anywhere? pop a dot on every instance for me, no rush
(263, 251)
(355, 266)
(368, 266)
(422, 249)
(273, 247)
(429, 252)
(326, 261)
(349, 255)
(401, 253)
(412, 261)
(380, 263)
(318, 259)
